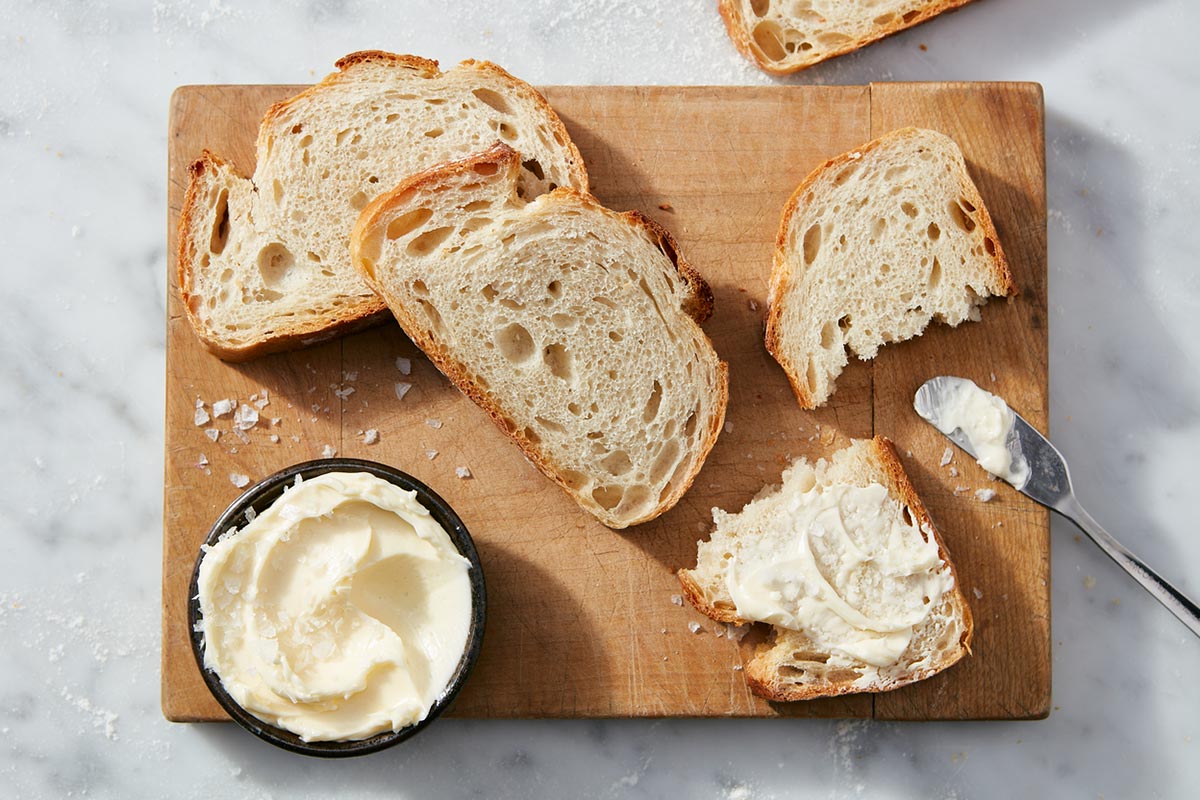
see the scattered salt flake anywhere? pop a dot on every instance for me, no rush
(370, 436)
(462, 472)
(404, 365)
(978, 594)
(402, 389)
(736, 632)
(328, 451)
(344, 392)
(993, 377)
(960, 489)
(729, 427)
(663, 631)
(251, 514)
(263, 401)
(202, 462)
(434, 423)
(295, 438)
(998, 525)
(719, 632)
(947, 454)
(240, 434)
(222, 407)
(664, 658)
(677, 599)
(245, 418)
(985, 495)
(431, 454)
(201, 417)
(753, 305)
(737, 667)
(274, 438)
(238, 480)
(953, 472)
(276, 420)
(350, 376)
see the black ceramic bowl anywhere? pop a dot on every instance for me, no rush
(262, 495)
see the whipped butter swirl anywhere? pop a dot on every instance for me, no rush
(339, 612)
(841, 563)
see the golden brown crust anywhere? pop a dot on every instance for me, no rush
(699, 600)
(781, 271)
(363, 312)
(504, 158)
(738, 28)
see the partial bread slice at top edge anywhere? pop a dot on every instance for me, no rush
(782, 40)
(574, 327)
(263, 263)
(872, 246)
(789, 666)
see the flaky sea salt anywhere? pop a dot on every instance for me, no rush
(694, 627)
(370, 436)
(328, 451)
(404, 365)
(947, 454)
(344, 392)
(434, 423)
(201, 417)
(238, 480)
(402, 389)
(222, 407)
(245, 418)
(213, 434)
(677, 599)
(985, 495)
(462, 472)
(263, 400)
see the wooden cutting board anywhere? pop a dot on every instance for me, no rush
(581, 621)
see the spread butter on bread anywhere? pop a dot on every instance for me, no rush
(872, 246)
(263, 262)
(574, 327)
(844, 562)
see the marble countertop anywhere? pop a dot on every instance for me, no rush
(83, 111)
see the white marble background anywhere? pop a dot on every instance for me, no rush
(83, 109)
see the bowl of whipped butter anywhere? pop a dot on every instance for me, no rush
(337, 607)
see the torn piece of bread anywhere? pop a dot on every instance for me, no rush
(784, 36)
(264, 262)
(872, 246)
(574, 327)
(845, 564)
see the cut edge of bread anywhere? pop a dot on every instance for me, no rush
(781, 273)
(740, 31)
(761, 671)
(357, 313)
(699, 306)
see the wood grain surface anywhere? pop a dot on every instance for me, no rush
(581, 621)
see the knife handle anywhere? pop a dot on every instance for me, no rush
(1176, 601)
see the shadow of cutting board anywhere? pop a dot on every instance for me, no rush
(581, 621)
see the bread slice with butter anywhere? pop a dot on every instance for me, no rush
(844, 562)
(264, 261)
(873, 246)
(783, 36)
(574, 327)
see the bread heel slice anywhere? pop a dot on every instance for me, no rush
(264, 262)
(812, 656)
(872, 246)
(574, 327)
(783, 37)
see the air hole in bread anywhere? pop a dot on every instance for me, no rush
(390, 118)
(878, 228)
(407, 223)
(935, 274)
(846, 174)
(635, 497)
(689, 427)
(909, 209)
(477, 205)
(507, 132)
(933, 232)
(559, 361)
(220, 229)
(833, 39)
(812, 244)
(358, 200)
(550, 425)
(574, 479)
(563, 321)
(534, 166)
(606, 302)
(475, 223)
(884, 19)
(910, 16)
(617, 463)
(760, 7)
(493, 100)
(665, 461)
(274, 261)
(428, 241)
(960, 217)
(989, 244)
(608, 497)
(515, 343)
(485, 169)
(811, 376)
(554, 289)
(277, 192)
(341, 137)
(434, 133)
(367, 265)
(650, 411)
(419, 288)
(297, 128)
(531, 435)
(615, 336)
(510, 304)
(574, 409)
(664, 244)
(828, 335)
(767, 37)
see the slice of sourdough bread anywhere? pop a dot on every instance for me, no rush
(783, 36)
(887, 566)
(574, 327)
(872, 246)
(264, 262)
